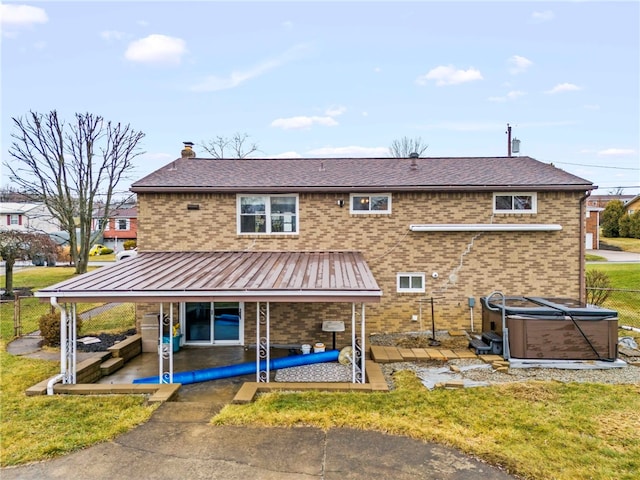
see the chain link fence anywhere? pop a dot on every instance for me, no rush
(23, 317)
(625, 302)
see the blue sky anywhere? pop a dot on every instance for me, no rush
(311, 79)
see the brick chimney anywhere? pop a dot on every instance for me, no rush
(187, 151)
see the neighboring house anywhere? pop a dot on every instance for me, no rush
(633, 205)
(122, 225)
(27, 217)
(238, 251)
(601, 201)
(592, 228)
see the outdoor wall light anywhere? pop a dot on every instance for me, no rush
(340, 203)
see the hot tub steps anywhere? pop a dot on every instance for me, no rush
(494, 341)
(480, 347)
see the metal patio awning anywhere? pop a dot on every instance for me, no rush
(225, 276)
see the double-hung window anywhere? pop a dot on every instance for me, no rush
(514, 203)
(370, 203)
(268, 214)
(410, 282)
(122, 224)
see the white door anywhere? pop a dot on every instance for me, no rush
(589, 241)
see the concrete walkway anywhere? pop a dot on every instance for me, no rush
(179, 443)
(615, 256)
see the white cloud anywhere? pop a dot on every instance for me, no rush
(617, 151)
(157, 49)
(214, 83)
(449, 75)
(287, 25)
(544, 16)
(285, 155)
(22, 15)
(509, 96)
(335, 111)
(351, 151)
(112, 35)
(377, 69)
(564, 87)
(518, 64)
(303, 122)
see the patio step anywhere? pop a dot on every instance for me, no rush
(111, 365)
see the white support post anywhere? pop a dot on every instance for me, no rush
(263, 351)
(353, 343)
(73, 344)
(165, 350)
(362, 346)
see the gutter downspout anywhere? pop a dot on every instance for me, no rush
(582, 274)
(63, 341)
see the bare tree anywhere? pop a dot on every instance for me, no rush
(69, 166)
(18, 245)
(236, 146)
(405, 146)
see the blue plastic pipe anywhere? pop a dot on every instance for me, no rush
(215, 373)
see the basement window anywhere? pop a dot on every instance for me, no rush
(410, 282)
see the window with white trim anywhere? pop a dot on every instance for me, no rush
(518, 202)
(268, 214)
(410, 282)
(363, 203)
(122, 223)
(14, 219)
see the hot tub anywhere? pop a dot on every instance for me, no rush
(553, 328)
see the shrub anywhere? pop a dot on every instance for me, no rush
(597, 283)
(609, 221)
(50, 328)
(634, 227)
(130, 244)
(624, 226)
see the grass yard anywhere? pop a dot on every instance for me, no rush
(37, 428)
(538, 430)
(626, 244)
(622, 275)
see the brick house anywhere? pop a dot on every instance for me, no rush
(592, 228)
(294, 243)
(122, 225)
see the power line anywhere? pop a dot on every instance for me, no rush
(597, 166)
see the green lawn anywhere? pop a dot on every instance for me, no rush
(626, 244)
(622, 275)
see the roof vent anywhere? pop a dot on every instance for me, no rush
(414, 155)
(187, 151)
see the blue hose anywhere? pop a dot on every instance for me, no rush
(215, 373)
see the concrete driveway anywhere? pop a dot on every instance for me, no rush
(615, 256)
(179, 443)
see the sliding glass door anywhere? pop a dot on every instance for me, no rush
(212, 323)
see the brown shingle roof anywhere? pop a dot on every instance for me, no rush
(231, 276)
(358, 174)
